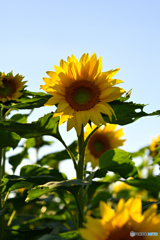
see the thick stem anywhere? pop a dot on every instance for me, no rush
(80, 176)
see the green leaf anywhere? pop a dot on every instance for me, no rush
(22, 118)
(127, 112)
(151, 184)
(30, 100)
(34, 170)
(8, 139)
(32, 175)
(118, 161)
(51, 158)
(51, 237)
(46, 125)
(13, 182)
(70, 185)
(17, 159)
(70, 235)
(4, 211)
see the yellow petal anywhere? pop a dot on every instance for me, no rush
(53, 100)
(107, 213)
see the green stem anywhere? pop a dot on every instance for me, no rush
(80, 176)
(68, 209)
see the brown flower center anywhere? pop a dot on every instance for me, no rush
(82, 95)
(98, 144)
(124, 233)
(7, 89)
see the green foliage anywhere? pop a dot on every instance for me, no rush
(43, 203)
(69, 185)
(127, 112)
(120, 162)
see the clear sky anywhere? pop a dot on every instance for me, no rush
(35, 35)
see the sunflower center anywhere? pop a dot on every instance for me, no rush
(82, 95)
(123, 233)
(7, 89)
(98, 144)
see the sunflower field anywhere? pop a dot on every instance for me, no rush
(110, 197)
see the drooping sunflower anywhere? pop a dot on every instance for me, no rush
(153, 146)
(123, 223)
(101, 140)
(82, 91)
(10, 86)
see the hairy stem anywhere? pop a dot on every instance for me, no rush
(80, 176)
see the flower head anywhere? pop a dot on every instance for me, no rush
(153, 146)
(10, 86)
(82, 91)
(101, 140)
(118, 224)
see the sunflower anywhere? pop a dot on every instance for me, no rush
(102, 140)
(82, 91)
(10, 86)
(123, 223)
(154, 145)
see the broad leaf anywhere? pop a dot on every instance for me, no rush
(17, 159)
(46, 125)
(127, 112)
(118, 161)
(30, 100)
(151, 184)
(70, 185)
(8, 139)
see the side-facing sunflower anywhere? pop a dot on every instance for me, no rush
(153, 146)
(123, 223)
(101, 140)
(10, 86)
(82, 91)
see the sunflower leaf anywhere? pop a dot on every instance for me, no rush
(69, 185)
(127, 112)
(46, 125)
(30, 100)
(8, 139)
(151, 184)
(118, 161)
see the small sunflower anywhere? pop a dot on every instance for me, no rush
(101, 140)
(82, 91)
(122, 223)
(10, 86)
(153, 146)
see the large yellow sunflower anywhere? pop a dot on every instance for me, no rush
(126, 220)
(154, 144)
(82, 91)
(10, 86)
(101, 140)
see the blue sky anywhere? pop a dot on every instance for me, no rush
(35, 35)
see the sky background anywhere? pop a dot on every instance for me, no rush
(35, 35)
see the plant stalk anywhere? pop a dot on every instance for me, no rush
(80, 176)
